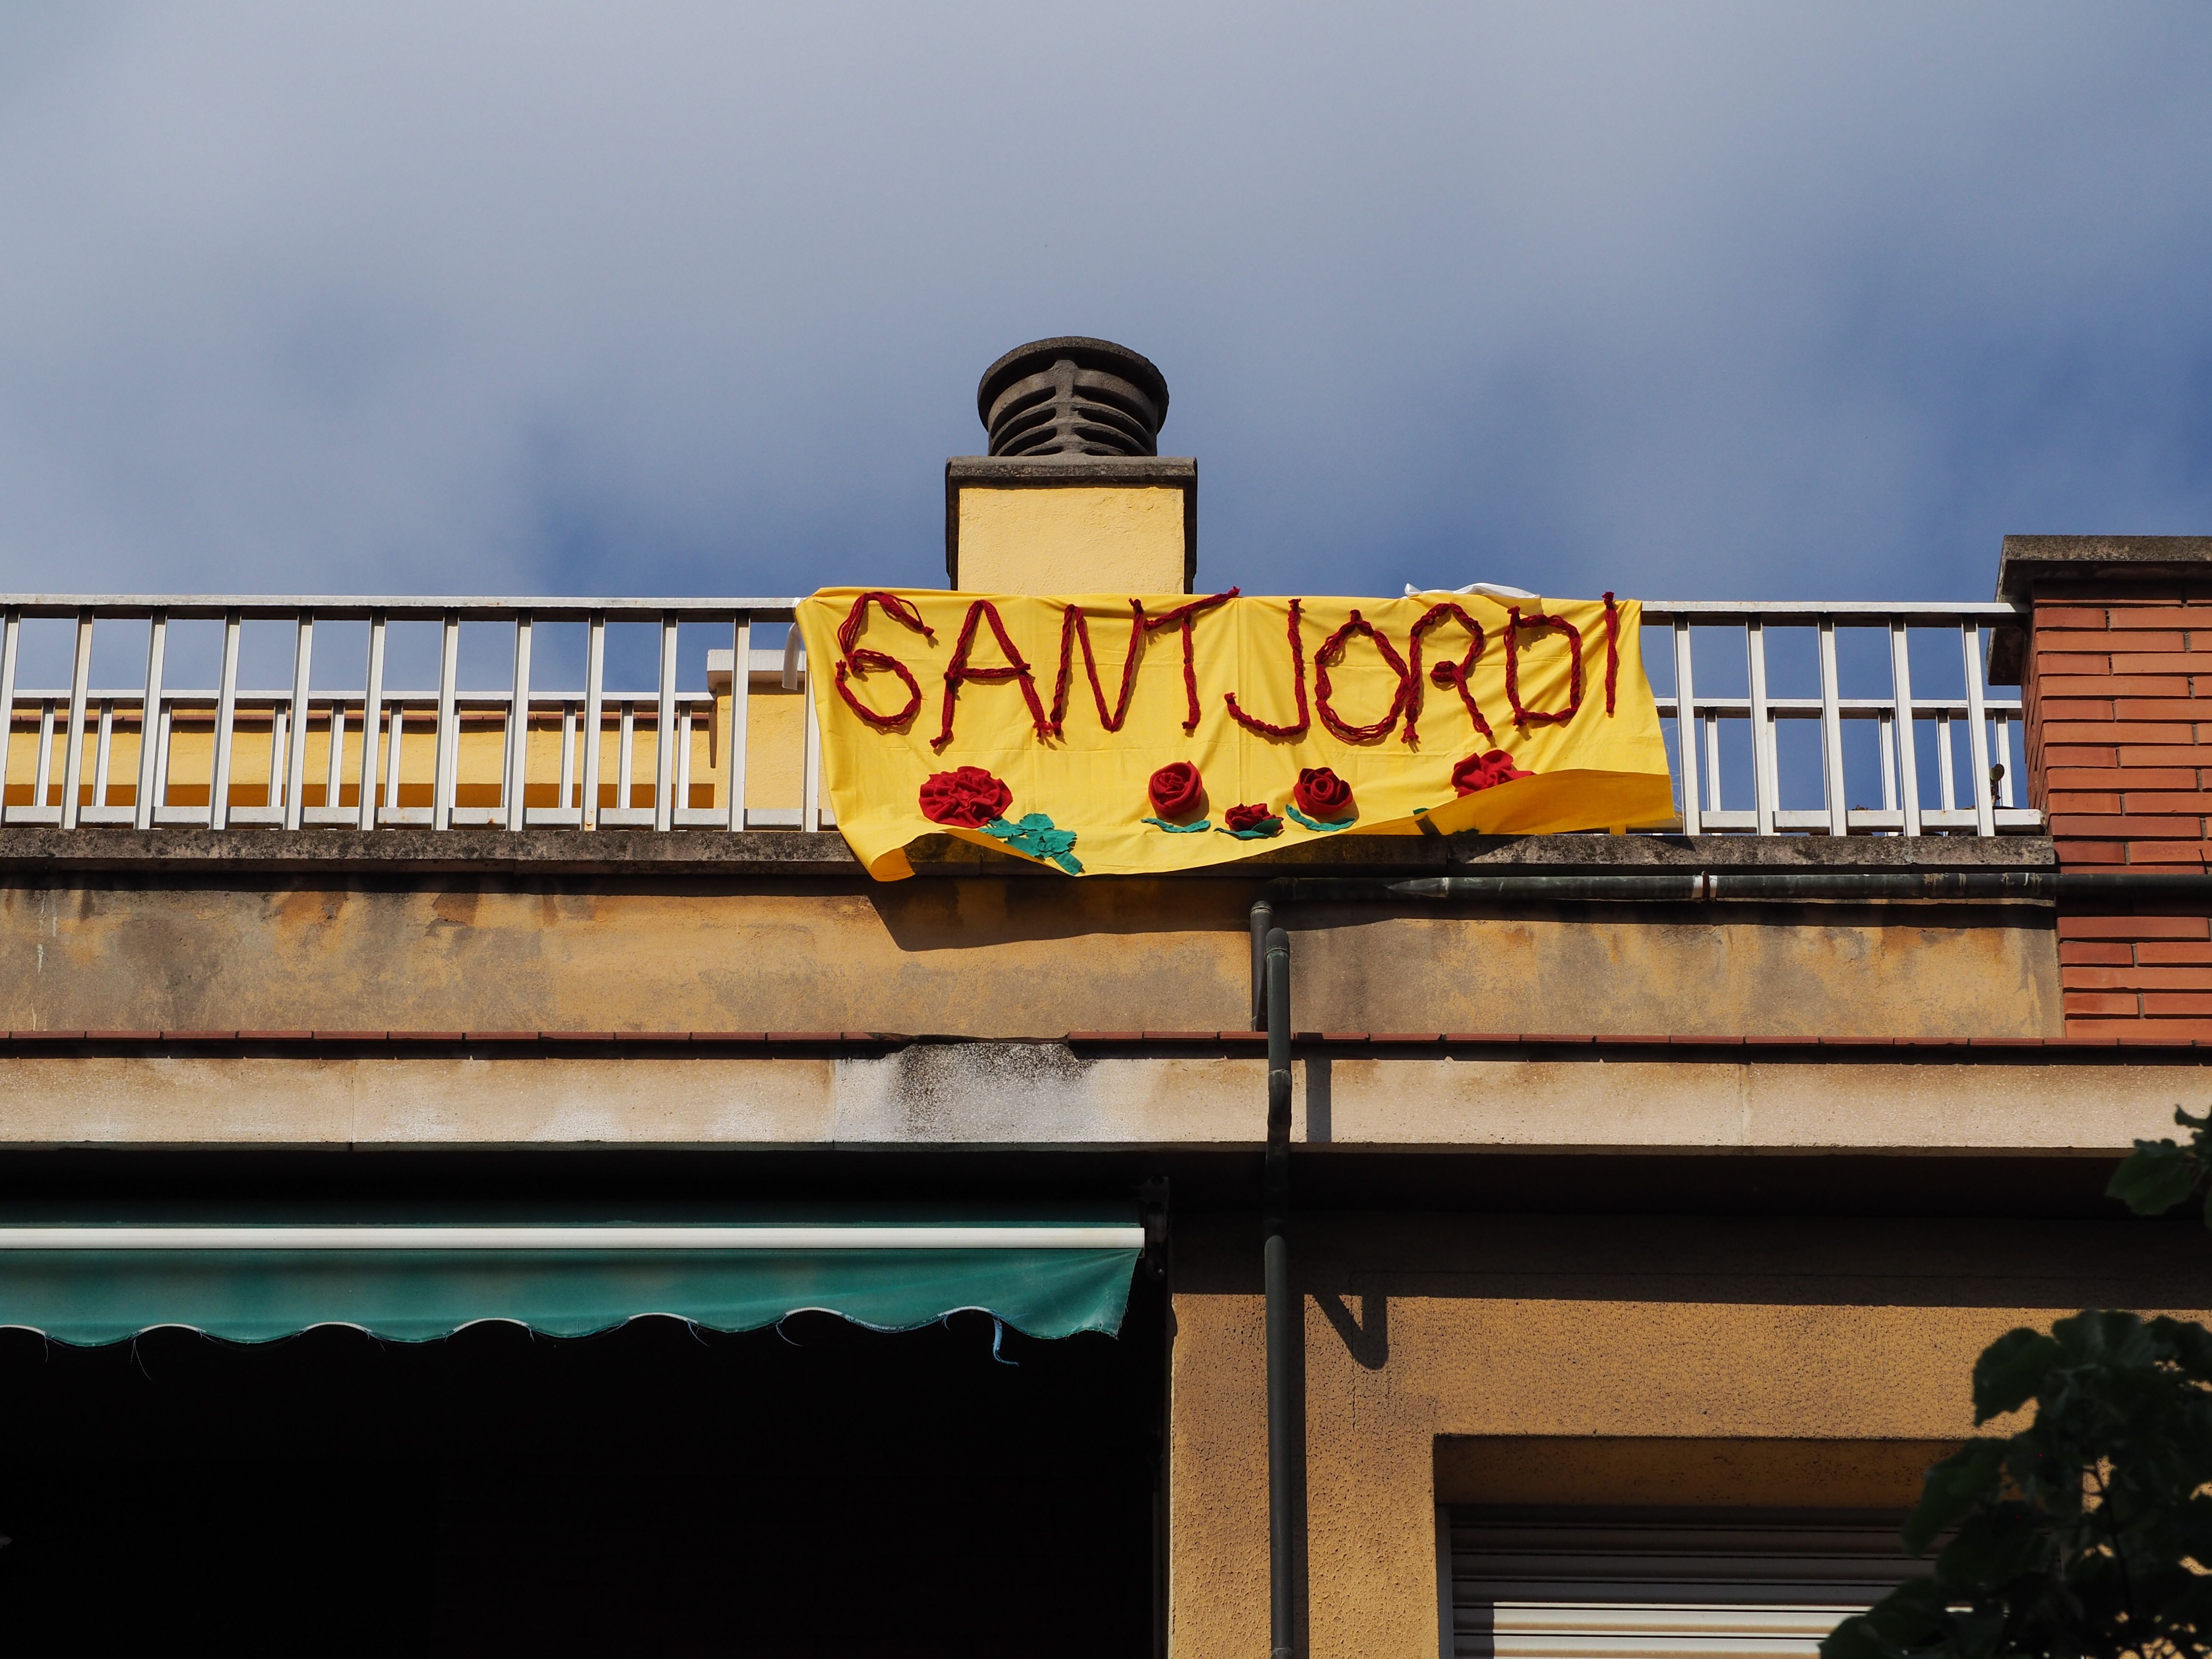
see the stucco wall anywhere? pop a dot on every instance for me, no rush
(1830, 1330)
(979, 957)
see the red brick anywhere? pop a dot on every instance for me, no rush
(2056, 616)
(2112, 685)
(2164, 754)
(2058, 662)
(2178, 1002)
(2081, 952)
(2075, 708)
(2090, 823)
(2100, 759)
(2079, 801)
(2140, 1032)
(2168, 852)
(2071, 853)
(2137, 732)
(2156, 800)
(2159, 709)
(2111, 778)
(2048, 641)
(2158, 951)
(2100, 1002)
(2144, 662)
(2135, 978)
(2158, 615)
(2133, 927)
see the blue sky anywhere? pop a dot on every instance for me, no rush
(1686, 301)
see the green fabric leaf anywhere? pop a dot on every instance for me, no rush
(1181, 828)
(1034, 835)
(1266, 828)
(1346, 824)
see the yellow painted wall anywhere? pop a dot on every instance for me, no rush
(1819, 1332)
(1070, 538)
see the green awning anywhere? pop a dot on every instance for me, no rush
(252, 1284)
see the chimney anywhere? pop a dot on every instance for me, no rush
(1074, 497)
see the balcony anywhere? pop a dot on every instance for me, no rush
(521, 713)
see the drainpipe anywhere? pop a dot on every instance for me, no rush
(1286, 1334)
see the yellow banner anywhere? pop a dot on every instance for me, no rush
(1111, 735)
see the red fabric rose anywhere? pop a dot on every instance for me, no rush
(1176, 790)
(1322, 794)
(1249, 818)
(1483, 771)
(971, 798)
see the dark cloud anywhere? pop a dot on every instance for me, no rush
(1685, 301)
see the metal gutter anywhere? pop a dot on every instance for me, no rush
(1285, 1336)
(1766, 886)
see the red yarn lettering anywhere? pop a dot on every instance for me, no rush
(1073, 627)
(1333, 650)
(1299, 672)
(1445, 673)
(1612, 651)
(959, 673)
(1187, 616)
(1537, 622)
(853, 662)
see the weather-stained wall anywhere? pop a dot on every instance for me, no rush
(973, 956)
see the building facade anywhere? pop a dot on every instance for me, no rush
(1649, 1196)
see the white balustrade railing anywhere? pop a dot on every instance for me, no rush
(89, 763)
(1987, 723)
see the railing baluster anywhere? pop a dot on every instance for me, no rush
(625, 785)
(102, 748)
(1887, 722)
(683, 758)
(161, 759)
(518, 726)
(73, 756)
(595, 665)
(1686, 728)
(226, 712)
(372, 720)
(1832, 732)
(10, 627)
(1977, 730)
(810, 772)
(334, 754)
(152, 729)
(1712, 723)
(567, 755)
(296, 715)
(445, 774)
(2003, 762)
(44, 784)
(1908, 763)
(733, 741)
(1765, 776)
(663, 730)
(395, 753)
(280, 725)
(1943, 761)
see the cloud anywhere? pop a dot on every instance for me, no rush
(1702, 300)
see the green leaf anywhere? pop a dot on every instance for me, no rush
(1954, 1488)
(2009, 1371)
(2155, 1177)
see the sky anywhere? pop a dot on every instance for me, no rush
(1697, 301)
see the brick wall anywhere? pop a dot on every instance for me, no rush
(2118, 694)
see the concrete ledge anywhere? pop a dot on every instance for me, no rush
(33, 850)
(1055, 1096)
(2028, 560)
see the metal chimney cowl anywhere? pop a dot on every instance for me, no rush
(1075, 496)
